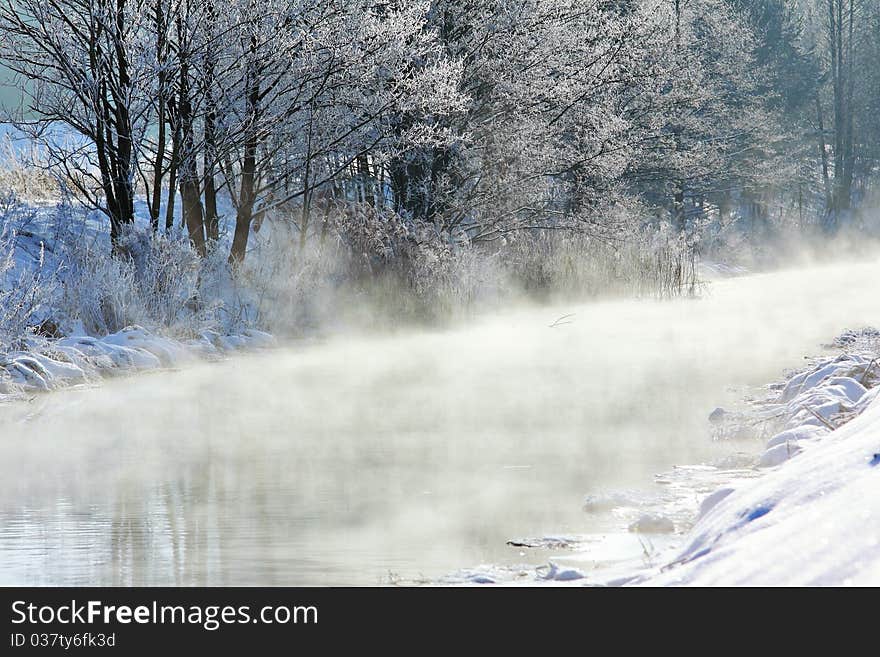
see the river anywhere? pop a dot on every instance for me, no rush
(368, 459)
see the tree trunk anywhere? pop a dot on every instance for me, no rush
(678, 214)
(840, 36)
(823, 154)
(193, 214)
(172, 177)
(116, 143)
(247, 191)
(212, 220)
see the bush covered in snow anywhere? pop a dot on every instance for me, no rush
(28, 283)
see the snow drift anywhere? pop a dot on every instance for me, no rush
(814, 519)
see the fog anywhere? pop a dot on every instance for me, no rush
(356, 460)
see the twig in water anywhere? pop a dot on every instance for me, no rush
(562, 321)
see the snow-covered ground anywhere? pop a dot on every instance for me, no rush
(814, 518)
(805, 511)
(45, 365)
(70, 315)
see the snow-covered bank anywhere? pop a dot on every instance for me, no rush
(803, 510)
(41, 364)
(71, 314)
(814, 519)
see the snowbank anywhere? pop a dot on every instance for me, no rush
(57, 278)
(805, 511)
(814, 517)
(50, 364)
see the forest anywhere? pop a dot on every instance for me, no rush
(448, 148)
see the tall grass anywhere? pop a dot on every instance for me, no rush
(23, 172)
(382, 271)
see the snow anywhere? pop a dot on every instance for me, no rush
(712, 500)
(558, 573)
(814, 517)
(805, 512)
(80, 359)
(805, 432)
(778, 454)
(845, 366)
(164, 352)
(44, 249)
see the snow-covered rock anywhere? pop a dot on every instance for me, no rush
(779, 454)
(558, 573)
(804, 432)
(166, 352)
(53, 369)
(845, 366)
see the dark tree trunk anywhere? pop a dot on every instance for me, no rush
(161, 118)
(212, 220)
(247, 191)
(678, 213)
(193, 214)
(113, 142)
(173, 165)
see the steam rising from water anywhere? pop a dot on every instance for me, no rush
(415, 453)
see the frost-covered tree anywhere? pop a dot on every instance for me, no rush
(545, 134)
(844, 35)
(473, 120)
(81, 60)
(308, 95)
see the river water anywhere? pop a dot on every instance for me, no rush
(361, 460)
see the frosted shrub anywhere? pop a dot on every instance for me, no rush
(363, 267)
(376, 268)
(410, 267)
(23, 171)
(281, 287)
(154, 284)
(27, 281)
(166, 275)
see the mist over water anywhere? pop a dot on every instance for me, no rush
(415, 454)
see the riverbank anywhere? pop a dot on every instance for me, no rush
(812, 519)
(42, 365)
(72, 315)
(802, 510)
